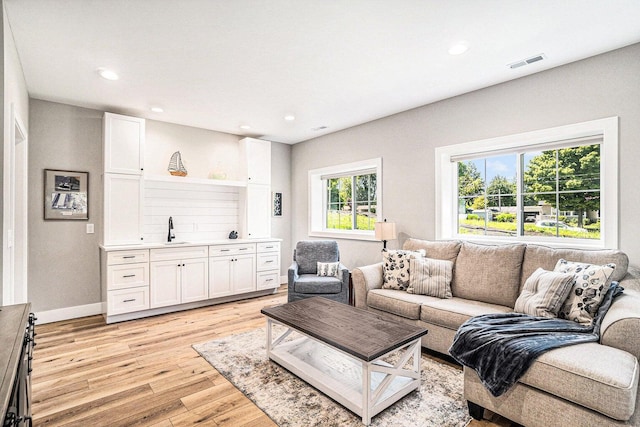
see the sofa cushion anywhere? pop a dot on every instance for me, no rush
(488, 273)
(453, 312)
(312, 284)
(591, 283)
(542, 256)
(395, 268)
(430, 277)
(544, 293)
(446, 249)
(596, 376)
(397, 302)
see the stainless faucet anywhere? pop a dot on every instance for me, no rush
(171, 235)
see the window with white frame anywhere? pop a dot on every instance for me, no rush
(344, 200)
(555, 186)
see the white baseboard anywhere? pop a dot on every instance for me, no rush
(67, 313)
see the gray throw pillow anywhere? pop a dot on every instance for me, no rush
(430, 277)
(544, 293)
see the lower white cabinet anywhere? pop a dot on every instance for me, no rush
(143, 282)
(234, 273)
(177, 279)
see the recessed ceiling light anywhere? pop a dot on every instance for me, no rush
(108, 74)
(289, 117)
(157, 110)
(459, 48)
(245, 127)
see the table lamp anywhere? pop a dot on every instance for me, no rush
(385, 231)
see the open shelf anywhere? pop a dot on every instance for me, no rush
(189, 180)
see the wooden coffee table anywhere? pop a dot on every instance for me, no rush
(343, 352)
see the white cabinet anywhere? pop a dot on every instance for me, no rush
(178, 275)
(125, 281)
(257, 212)
(122, 209)
(268, 265)
(123, 144)
(256, 155)
(232, 269)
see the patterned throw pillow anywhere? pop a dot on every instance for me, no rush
(591, 283)
(395, 268)
(543, 293)
(430, 277)
(328, 268)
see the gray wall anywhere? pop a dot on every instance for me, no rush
(64, 268)
(602, 86)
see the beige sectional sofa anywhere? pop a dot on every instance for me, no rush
(593, 384)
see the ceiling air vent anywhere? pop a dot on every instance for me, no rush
(527, 61)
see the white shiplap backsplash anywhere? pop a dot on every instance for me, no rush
(200, 212)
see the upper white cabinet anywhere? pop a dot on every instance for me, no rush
(123, 144)
(123, 140)
(256, 155)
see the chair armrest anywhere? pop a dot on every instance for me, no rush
(365, 279)
(292, 275)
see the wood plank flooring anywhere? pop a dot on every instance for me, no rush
(144, 372)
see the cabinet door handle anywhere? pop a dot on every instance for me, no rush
(225, 250)
(269, 261)
(129, 300)
(269, 280)
(128, 256)
(268, 247)
(129, 275)
(243, 249)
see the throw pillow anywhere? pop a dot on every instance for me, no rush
(395, 268)
(591, 283)
(430, 277)
(328, 268)
(544, 293)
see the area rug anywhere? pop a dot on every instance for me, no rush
(291, 402)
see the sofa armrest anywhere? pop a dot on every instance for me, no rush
(365, 279)
(621, 326)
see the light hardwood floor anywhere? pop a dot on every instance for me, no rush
(144, 372)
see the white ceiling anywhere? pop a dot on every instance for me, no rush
(219, 64)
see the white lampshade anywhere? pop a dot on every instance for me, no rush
(385, 230)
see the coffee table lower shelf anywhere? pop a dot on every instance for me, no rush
(364, 387)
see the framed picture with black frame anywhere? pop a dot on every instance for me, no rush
(66, 195)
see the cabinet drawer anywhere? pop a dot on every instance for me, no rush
(127, 276)
(268, 280)
(268, 261)
(269, 247)
(239, 249)
(127, 300)
(179, 253)
(127, 257)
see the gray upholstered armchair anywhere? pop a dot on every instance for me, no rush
(303, 279)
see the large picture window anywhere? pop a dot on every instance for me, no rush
(345, 200)
(556, 186)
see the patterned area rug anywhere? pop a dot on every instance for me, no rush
(291, 402)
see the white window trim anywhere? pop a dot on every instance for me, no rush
(317, 200)
(446, 172)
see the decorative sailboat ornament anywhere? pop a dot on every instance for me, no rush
(176, 168)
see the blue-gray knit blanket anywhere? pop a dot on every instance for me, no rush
(501, 347)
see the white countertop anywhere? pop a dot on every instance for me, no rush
(180, 244)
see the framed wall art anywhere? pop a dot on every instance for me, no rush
(277, 204)
(66, 195)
